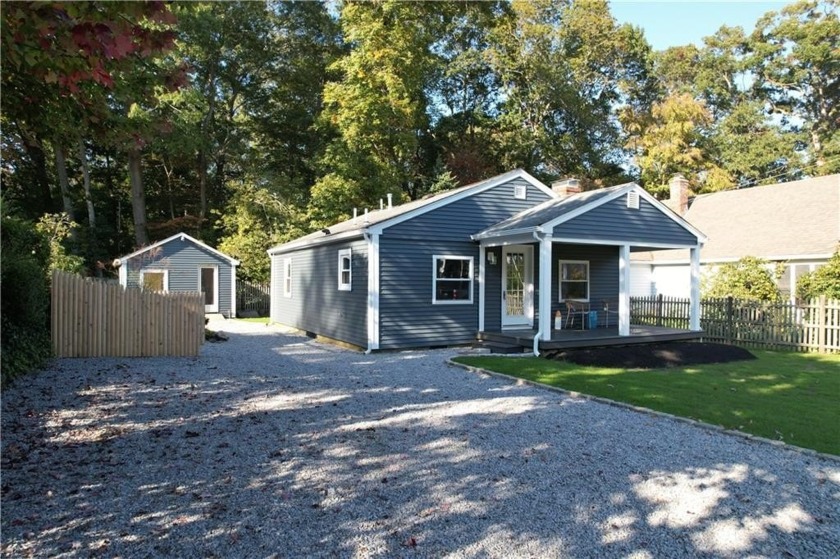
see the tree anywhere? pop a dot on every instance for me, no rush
(825, 280)
(750, 278)
(796, 63)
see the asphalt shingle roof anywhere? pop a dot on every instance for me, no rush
(772, 222)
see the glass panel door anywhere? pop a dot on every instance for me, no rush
(517, 286)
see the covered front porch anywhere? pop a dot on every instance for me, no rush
(550, 276)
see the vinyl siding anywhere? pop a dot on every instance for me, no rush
(614, 221)
(493, 292)
(183, 259)
(316, 304)
(407, 317)
(603, 276)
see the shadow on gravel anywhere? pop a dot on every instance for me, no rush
(275, 445)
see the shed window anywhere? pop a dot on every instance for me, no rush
(345, 267)
(287, 277)
(574, 280)
(154, 280)
(452, 279)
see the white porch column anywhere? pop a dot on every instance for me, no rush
(624, 290)
(482, 275)
(545, 289)
(694, 295)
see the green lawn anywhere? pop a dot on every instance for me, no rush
(793, 397)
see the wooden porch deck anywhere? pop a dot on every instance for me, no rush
(598, 337)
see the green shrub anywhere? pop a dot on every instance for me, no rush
(26, 298)
(825, 280)
(748, 278)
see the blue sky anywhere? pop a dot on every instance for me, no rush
(679, 22)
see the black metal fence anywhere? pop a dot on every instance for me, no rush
(253, 298)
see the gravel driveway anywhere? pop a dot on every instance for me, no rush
(273, 445)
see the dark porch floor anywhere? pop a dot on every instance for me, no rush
(598, 337)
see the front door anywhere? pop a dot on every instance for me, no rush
(210, 288)
(517, 287)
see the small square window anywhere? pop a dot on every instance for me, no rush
(155, 280)
(345, 270)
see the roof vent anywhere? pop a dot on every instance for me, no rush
(633, 200)
(520, 192)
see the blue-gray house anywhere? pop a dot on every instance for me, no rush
(182, 263)
(445, 269)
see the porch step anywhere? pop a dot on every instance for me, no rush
(499, 347)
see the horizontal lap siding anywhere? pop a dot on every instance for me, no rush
(407, 316)
(316, 304)
(615, 221)
(493, 292)
(183, 259)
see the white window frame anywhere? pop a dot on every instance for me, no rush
(348, 254)
(435, 279)
(163, 271)
(287, 277)
(560, 279)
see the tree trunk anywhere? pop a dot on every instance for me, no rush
(138, 197)
(35, 151)
(63, 182)
(202, 183)
(86, 183)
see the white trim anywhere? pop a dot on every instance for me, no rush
(545, 289)
(183, 237)
(694, 293)
(373, 293)
(519, 239)
(301, 243)
(466, 193)
(163, 271)
(342, 254)
(674, 216)
(288, 285)
(616, 242)
(233, 292)
(123, 272)
(560, 279)
(632, 200)
(528, 300)
(624, 290)
(520, 192)
(482, 280)
(435, 279)
(214, 308)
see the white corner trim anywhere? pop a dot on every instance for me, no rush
(373, 292)
(233, 291)
(482, 284)
(123, 274)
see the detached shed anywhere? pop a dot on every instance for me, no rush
(182, 263)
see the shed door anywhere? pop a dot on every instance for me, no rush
(210, 288)
(517, 286)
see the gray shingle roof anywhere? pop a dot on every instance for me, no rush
(773, 222)
(548, 211)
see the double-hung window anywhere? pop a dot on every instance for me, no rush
(574, 280)
(452, 279)
(345, 270)
(287, 277)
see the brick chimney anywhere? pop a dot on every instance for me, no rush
(566, 187)
(678, 199)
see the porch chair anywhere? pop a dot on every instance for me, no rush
(610, 306)
(576, 308)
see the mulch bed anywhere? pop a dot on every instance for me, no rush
(654, 356)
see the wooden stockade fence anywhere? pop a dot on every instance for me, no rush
(254, 297)
(811, 326)
(99, 319)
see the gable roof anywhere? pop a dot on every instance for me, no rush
(554, 212)
(182, 237)
(378, 220)
(774, 222)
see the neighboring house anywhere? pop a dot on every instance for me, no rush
(440, 270)
(182, 263)
(796, 224)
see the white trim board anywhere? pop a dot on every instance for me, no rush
(183, 237)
